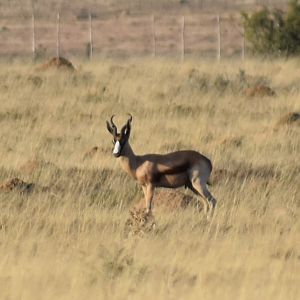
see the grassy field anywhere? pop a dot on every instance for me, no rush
(65, 239)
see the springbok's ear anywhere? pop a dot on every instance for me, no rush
(126, 129)
(109, 128)
(128, 125)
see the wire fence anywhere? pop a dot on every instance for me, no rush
(211, 35)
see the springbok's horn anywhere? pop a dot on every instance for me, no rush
(127, 125)
(130, 118)
(112, 122)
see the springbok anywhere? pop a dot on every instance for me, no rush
(182, 168)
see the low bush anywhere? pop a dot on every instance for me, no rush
(274, 32)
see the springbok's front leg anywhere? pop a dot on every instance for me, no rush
(149, 192)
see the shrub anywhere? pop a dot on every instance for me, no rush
(274, 32)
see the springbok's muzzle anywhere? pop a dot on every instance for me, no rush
(117, 149)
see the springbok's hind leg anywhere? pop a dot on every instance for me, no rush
(200, 198)
(198, 176)
(210, 201)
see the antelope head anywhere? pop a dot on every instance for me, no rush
(119, 139)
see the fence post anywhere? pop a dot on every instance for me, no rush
(58, 36)
(219, 38)
(244, 44)
(91, 37)
(33, 38)
(153, 37)
(182, 39)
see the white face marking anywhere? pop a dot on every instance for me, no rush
(117, 148)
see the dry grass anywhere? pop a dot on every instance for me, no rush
(67, 241)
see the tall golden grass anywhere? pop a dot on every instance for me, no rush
(66, 239)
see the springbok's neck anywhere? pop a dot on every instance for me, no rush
(128, 160)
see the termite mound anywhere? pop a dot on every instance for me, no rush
(291, 118)
(16, 184)
(140, 223)
(259, 91)
(169, 200)
(59, 63)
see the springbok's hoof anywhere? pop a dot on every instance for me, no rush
(148, 211)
